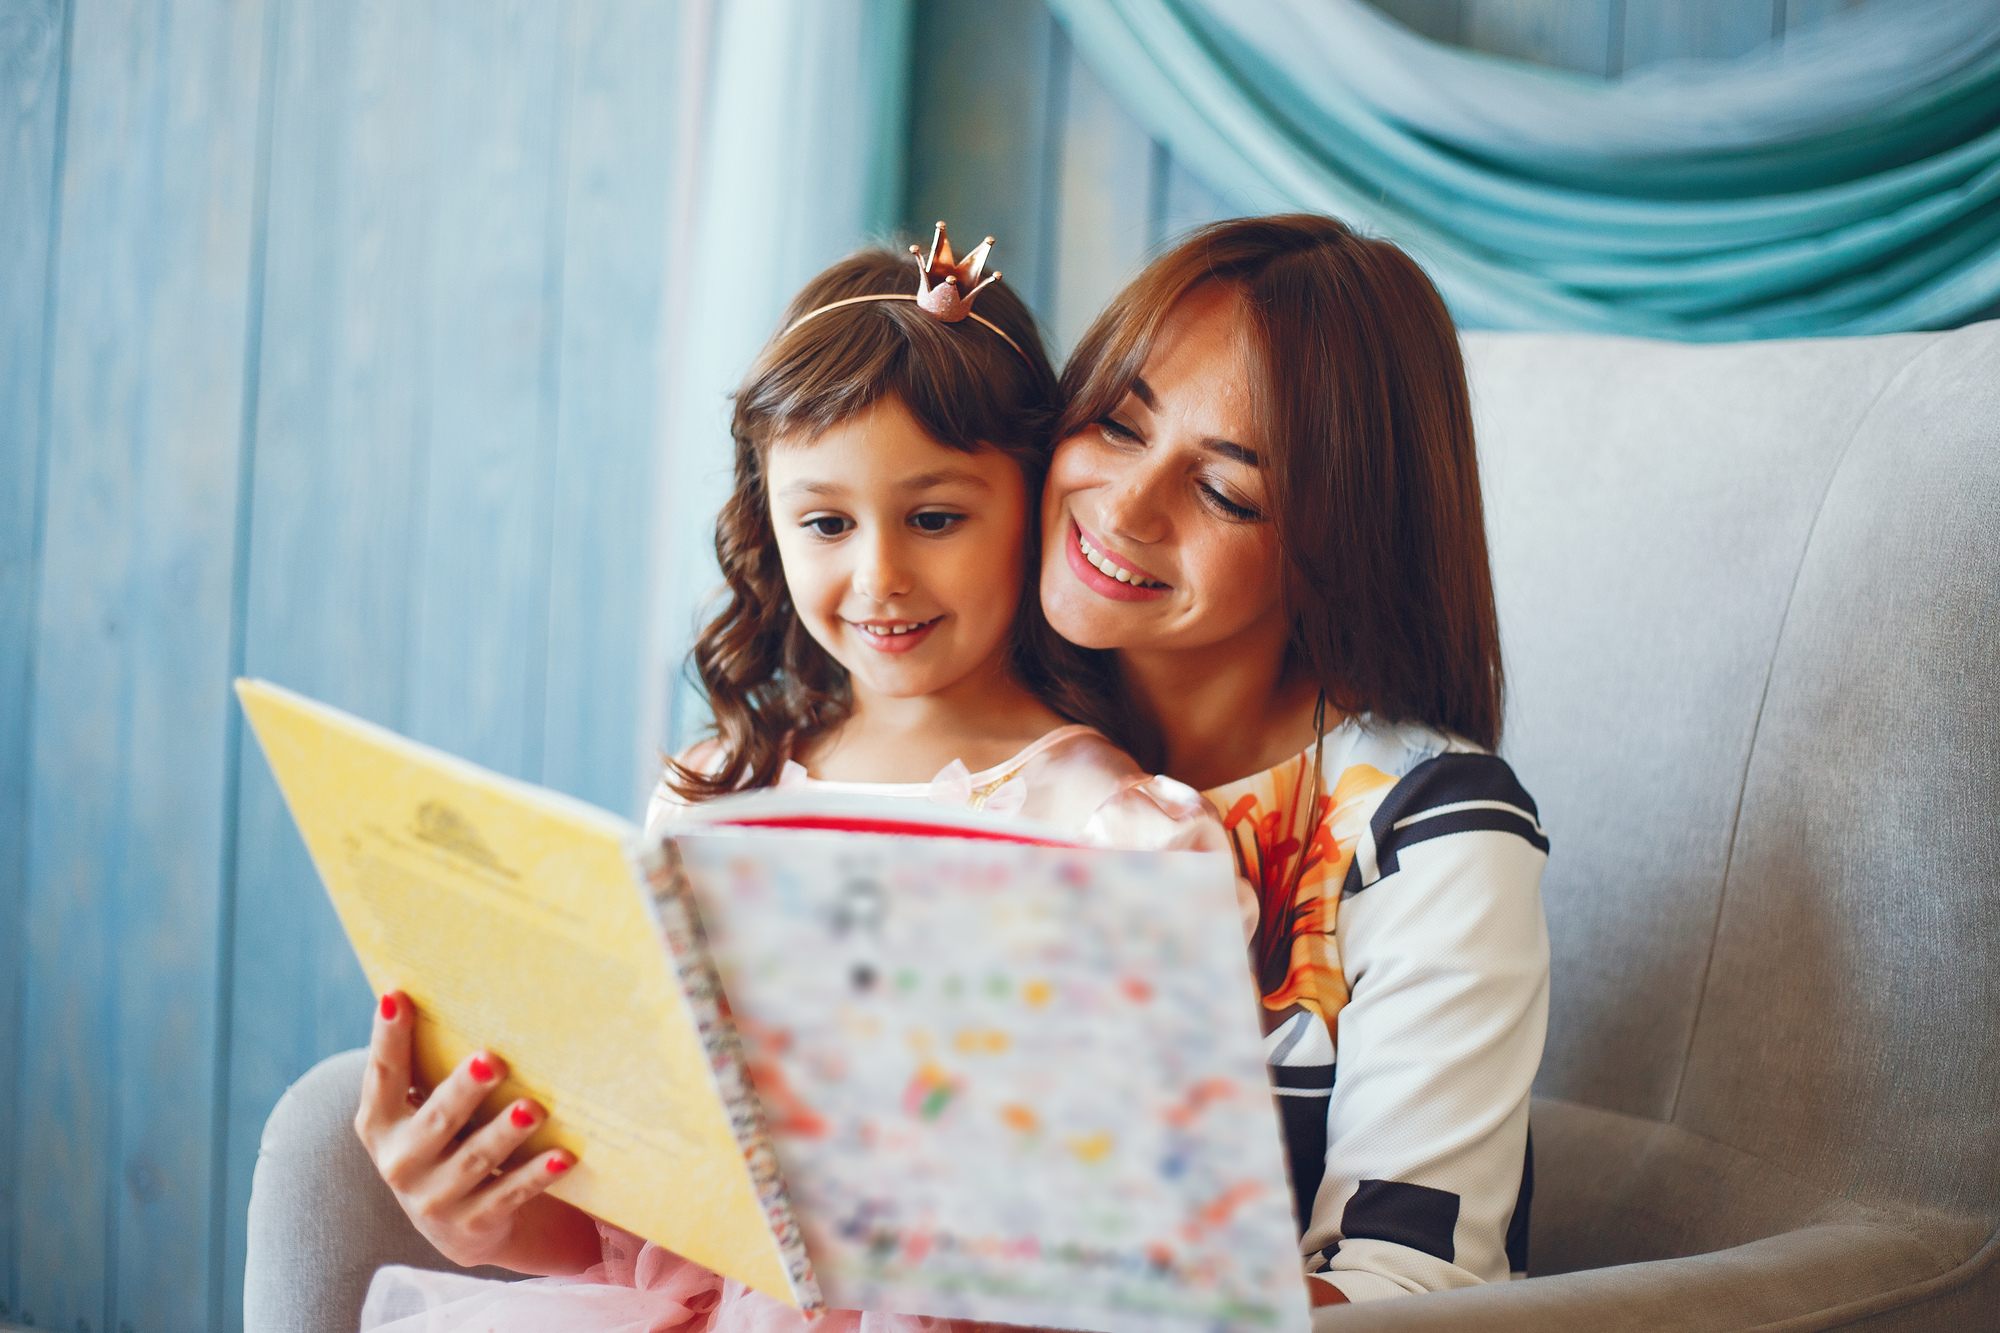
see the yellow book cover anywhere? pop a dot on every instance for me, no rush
(538, 926)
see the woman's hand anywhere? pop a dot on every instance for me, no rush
(446, 1183)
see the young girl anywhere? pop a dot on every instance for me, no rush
(882, 633)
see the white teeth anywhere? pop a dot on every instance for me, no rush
(1106, 566)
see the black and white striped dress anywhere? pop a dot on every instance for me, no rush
(1404, 964)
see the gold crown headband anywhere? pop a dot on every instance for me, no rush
(940, 278)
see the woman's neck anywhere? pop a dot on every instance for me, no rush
(982, 720)
(1226, 711)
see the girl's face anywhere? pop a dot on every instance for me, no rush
(1168, 493)
(903, 557)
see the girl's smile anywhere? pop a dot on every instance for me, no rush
(894, 636)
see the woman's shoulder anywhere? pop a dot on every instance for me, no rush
(1430, 785)
(1394, 748)
(1379, 779)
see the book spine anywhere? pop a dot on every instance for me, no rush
(680, 926)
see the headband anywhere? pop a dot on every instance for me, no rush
(942, 302)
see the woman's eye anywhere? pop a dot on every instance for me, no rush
(936, 521)
(1117, 431)
(827, 525)
(1229, 508)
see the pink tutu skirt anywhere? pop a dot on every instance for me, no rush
(636, 1288)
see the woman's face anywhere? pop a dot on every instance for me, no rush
(1156, 535)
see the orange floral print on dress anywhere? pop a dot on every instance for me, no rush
(1296, 859)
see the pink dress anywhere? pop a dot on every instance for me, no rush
(1072, 778)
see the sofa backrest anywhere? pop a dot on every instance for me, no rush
(1750, 606)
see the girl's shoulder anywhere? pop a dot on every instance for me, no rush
(1077, 778)
(704, 756)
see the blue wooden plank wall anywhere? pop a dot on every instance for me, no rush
(341, 369)
(466, 244)
(344, 342)
(31, 64)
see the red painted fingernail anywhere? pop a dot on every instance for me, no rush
(388, 1008)
(481, 1070)
(521, 1116)
(557, 1166)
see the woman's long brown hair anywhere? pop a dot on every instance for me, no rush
(1364, 423)
(770, 686)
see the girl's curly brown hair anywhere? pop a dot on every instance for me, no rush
(770, 685)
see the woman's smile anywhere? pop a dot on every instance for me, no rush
(1106, 574)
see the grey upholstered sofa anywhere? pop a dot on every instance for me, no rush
(1751, 604)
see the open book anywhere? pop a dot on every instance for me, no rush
(964, 1068)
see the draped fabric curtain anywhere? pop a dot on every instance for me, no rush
(1847, 181)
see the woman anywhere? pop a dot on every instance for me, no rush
(1266, 501)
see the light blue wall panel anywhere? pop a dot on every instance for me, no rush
(1185, 202)
(1805, 15)
(1657, 30)
(1582, 35)
(984, 132)
(1028, 134)
(477, 666)
(31, 40)
(458, 409)
(1104, 205)
(342, 427)
(622, 163)
(1439, 20)
(156, 293)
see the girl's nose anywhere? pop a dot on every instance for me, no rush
(880, 575)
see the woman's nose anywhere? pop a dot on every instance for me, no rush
(1133, 507)
(880, 574)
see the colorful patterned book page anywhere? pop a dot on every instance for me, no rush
(1012, 1083)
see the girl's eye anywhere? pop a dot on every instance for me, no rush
(1227, 507)
(935, 521)
(827, 525)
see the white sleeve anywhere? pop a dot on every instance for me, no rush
(668, 804)
(1446, 955)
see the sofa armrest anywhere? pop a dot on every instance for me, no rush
(1837, 1275)
(321, 1220)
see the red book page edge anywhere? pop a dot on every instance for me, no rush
(896, 827)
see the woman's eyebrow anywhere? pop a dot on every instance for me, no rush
(1144, 393)
(1235, 451)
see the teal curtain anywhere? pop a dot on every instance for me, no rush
(1846, 184)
